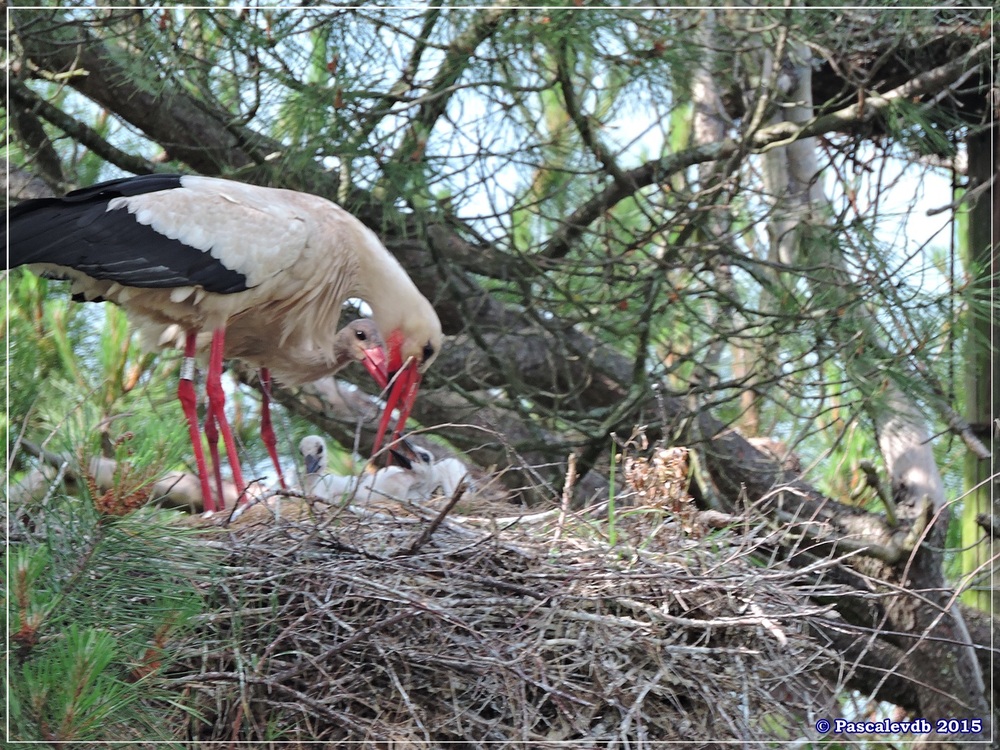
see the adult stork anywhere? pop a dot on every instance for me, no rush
(264, 268)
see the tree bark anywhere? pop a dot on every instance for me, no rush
(982, 369)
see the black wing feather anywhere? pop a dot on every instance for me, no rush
(77, 231)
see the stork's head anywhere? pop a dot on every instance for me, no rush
(412, 346)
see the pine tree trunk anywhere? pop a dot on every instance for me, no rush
(982, 368)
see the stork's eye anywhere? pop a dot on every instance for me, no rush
(428, 351)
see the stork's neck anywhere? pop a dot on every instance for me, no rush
(393, 297)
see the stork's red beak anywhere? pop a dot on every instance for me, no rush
(375, 363)
(403, 389)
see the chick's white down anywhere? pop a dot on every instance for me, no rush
(419, 482)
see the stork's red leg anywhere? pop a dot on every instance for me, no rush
(212, 436)
(266, 428)
(189, 403)
(217, 408)
(406, 406)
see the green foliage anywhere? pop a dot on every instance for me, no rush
(69, 689)
(76, 374)
(915, 129)
(95, 604)
(94, 601)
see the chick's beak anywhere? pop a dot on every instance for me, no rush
(312, 463)
(403, 453)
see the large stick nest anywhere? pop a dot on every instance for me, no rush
(340, 624)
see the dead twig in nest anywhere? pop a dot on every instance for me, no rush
(428, 532)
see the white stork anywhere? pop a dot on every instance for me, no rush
(264, 270)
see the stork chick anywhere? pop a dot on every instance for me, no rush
(390, 482)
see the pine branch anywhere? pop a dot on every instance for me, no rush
(440, 89)
(23, 185)
(29, 129)
(779, 134)
(582, 122)
(383, 105)
(78, 131)
(190, 130)
(990, 524)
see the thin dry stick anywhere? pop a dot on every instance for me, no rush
(567, 494)
(426, 534)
